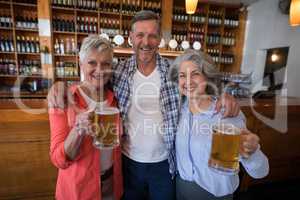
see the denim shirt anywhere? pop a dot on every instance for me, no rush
(193, 144)
(168, 99)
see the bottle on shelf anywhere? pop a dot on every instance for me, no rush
(231, 21)
(215, 54)
(152, 5)
(64, 25)
(62, 47)
(87, 4)
(29, 21)
(64, 3)
(227, 58)
(5, 19)
(7, 67)
(87, 24)
(125, 28)
(199, 17)
(109, 26)
(65, 46)
(213, 38)
(6, 44)
(196, 34)
(66, 69)
(30, 67)
(27, 44)
(215, 18)
(228, 39)
(179, 15)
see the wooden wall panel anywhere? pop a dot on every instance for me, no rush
(282, 149)
(25, 168)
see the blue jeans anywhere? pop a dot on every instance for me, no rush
(147, 181)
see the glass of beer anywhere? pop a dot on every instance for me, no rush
(224, 155)
(107, 127)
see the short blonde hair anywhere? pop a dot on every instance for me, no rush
(94, 42)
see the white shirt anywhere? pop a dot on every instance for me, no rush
(144, 142)
(193, 144)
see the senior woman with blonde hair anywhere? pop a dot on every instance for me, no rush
(86, 172)
(194, 72)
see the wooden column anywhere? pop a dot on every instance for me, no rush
(240, 39)
(44, 16)
(166, 19)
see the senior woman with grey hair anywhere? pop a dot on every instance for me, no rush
(196, 180)
(86, 172)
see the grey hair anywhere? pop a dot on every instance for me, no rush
(204, 63)
(94, 42)
(145, 15)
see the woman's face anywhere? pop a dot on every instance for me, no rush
(192, 83)
(96, 68)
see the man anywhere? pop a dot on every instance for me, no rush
(149, 106)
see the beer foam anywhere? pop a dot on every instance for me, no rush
(228, 129)
(108, 111)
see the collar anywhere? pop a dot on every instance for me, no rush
(209, 112)
(160, 63)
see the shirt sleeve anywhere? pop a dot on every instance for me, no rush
(257, 165)
(59, 131)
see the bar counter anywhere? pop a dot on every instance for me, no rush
(27, 173)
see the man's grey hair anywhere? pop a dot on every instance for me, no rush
(145, 15)
(94, 42)
(204, 64)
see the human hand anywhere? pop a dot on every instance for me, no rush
(230, 104)
(249, 143)
(84, 124)
(59, 95)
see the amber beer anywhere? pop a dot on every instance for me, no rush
(107, 127)
(225, 146)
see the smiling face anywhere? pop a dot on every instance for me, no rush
(96, 68)
(192, 83)
(145, 39)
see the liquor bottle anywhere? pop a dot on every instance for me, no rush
(23, 44)
(2, 44)
(124, 6)
(30, 45)
(68, 46)
(73, 46)
(56, 47)
(62, 47)
(95, 24)
(5, 20)
(81, 24)
(37, 45)
(7, 67)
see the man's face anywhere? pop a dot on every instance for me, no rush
(145, 39)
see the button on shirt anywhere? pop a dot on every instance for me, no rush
(193, 144)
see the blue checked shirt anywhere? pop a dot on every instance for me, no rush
(169, 100)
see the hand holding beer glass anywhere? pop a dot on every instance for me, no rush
(107, 127)
(228, 143)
